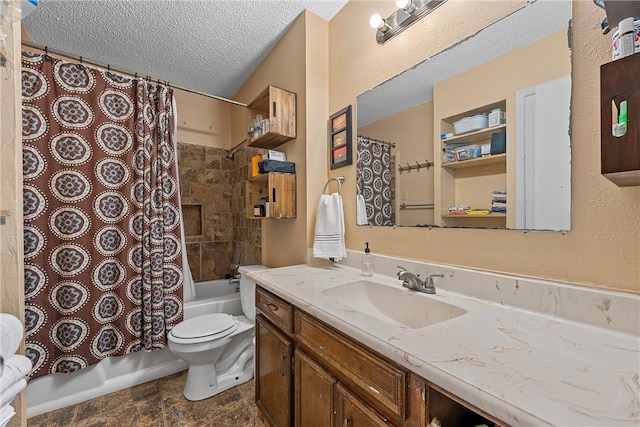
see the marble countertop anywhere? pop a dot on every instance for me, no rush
(523, 367)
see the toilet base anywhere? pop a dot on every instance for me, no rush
(203, 381)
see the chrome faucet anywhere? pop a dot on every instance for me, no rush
(414, 282)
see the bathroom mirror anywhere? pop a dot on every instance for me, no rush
(521, 66)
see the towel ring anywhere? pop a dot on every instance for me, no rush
(339, 180)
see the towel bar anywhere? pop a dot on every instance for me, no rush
(339, 180)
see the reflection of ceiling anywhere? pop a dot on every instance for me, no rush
(209, 45)
(415, 86)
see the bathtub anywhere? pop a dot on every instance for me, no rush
(56, 391)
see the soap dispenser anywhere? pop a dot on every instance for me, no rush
(367, 261)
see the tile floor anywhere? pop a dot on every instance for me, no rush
(158, 403)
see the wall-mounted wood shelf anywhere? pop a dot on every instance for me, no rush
(278, 106)
(280, 191)
(620, 156)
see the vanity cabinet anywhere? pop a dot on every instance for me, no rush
(280, 191)
(472, 182)
(310, 375)
(452, 411)
(274, 352)
(314, 389)
(277, 107)
(352, 412)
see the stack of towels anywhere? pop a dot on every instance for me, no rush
(328, 241)
(499, 201)
(14, 368)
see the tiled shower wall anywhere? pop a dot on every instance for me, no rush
(217, 231)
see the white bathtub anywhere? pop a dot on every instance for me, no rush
(56, 391)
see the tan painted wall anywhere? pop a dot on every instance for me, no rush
(412, 131)
(284, 242)
(11, 247)
(317, 86)
(208, 121)
(603, 247)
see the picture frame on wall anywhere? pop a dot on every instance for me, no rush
(340, 138)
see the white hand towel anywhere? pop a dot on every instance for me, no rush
(328, 239)
(11, 331)
(6, 396)
(16, 368)
(6, 414)
(361, 211)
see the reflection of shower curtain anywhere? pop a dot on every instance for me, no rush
(102, 241)
(374, 180)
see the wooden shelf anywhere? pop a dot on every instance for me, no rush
(280, 191)
(476, 136)
(278, 106)
(491, 215)
(480, 161)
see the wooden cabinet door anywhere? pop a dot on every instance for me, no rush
(282, 199)
(314, 389)
(282, 111)
(273, 373)
(352, 412)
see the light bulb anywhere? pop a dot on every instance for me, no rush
(407, 5)
(376, 21)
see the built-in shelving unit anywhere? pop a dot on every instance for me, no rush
(471, 182)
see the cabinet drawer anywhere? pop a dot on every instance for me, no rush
(279, 312)
(351, 412)
(378, 382)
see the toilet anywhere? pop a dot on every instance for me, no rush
(218, 347)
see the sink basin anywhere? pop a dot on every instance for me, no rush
(396, 306)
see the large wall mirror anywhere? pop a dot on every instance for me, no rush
(477, 135)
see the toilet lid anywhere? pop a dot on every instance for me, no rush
(206, 325)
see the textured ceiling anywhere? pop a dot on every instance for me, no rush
(209, 45)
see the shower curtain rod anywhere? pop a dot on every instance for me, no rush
(390, 144)
(108, 67)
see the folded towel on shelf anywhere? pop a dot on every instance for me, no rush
(361, 211)
(11, 331)
(16, 368)
(328, 241)
(6, 414)
(6, 396)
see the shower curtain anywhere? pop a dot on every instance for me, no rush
(102, 241)
(374, 180)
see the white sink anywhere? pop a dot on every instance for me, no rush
(396, 306)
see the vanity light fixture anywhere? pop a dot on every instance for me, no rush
(409, 11)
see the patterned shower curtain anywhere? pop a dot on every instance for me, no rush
(374, 180)
(102, 240)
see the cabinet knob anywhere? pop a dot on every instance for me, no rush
(272, 306)
(347, 422)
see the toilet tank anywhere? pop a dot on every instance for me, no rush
(248, 290)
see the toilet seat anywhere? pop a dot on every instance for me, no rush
(203, 328)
